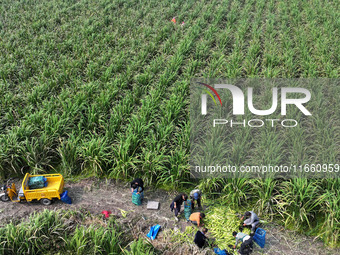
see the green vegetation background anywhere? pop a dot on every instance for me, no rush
(102, 87)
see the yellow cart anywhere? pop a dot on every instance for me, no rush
(55, 186)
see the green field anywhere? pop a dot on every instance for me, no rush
(49, 232)
(102, 88)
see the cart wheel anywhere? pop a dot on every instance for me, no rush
(45, 201)
(4, 198)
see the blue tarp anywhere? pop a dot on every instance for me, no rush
(153, 232)
(220, 252)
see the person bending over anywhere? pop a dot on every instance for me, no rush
(201, 238)
(247, 243)
(196, 218)
(137, 184)
(252, 220)
(177, 202)
(195, 194)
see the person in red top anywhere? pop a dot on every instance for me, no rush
(196, 217)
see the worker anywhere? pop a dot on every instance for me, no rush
(247, 243)
(135, 188)
(195, 195)
(252, 220)
(196, 218)
(140, 185)
(200, 238)
(137, 194)
(177, 202)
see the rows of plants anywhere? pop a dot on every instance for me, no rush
(304, 205)
(107, 93)
(55, 232)
(102, 88)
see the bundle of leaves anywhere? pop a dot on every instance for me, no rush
(221, 222)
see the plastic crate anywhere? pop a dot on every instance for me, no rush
(260, 237)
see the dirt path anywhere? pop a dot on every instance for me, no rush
(96, 196)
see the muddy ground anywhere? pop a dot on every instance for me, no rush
(95, 196)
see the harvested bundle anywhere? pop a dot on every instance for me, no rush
(221, 222)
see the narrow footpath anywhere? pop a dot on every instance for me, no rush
(95, 196)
